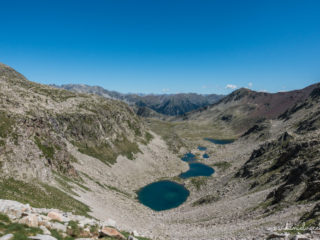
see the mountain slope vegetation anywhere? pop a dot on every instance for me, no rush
(74, 151)
(37, 123)
(291, 161)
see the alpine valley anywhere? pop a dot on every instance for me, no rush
(79, 162)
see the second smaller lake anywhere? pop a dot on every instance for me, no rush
(189, 157)
(219, 141)
(205, 155)
(202, 148)
(196, 170)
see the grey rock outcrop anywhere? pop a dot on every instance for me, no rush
(42, 237)
(7, 237)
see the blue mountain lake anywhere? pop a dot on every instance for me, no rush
(189, 157)
(205, 155)
(202, 148)
(219, 141)
(163, 195)
(196, 170)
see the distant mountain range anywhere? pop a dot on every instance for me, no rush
(166, 104)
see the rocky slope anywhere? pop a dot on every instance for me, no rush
(20, 221)
(290, 163)
(242, 108)
(166, 104)
(38, 121)
(77, 152)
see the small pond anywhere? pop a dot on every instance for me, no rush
(205, 155)
(167, 194)
(163, 195)
(197, 170)
(189, 157)
(219, 141)
(202, 148)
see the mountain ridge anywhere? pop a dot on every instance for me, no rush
(243, 107)
(52, 117)
(75, 151)
(166, 104)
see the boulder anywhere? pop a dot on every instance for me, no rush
(30, 220)
(132, 238)
(13, 209)
(45, 230)
(44, 221)
(86, 232)
(65, 219)
(110, 222)
(55, 216)
(315, 234)
(110, 232)
(46, 224)
(278, 236)
(42, 237)
(58, 226)
(7, 237)
(85, 221)
(301, 237)
(135, 233)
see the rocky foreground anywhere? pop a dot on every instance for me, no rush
(20, 221)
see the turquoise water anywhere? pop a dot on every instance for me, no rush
(205, 155)
(219, 141)
(197, 170)
(189, 157)
(163, 195)
(166, 194)
(202, 148)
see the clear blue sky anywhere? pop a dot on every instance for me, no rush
(156, 46)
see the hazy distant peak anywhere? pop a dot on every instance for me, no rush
(167, 104)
